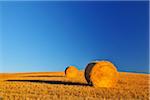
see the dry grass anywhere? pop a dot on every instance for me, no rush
(54, 86)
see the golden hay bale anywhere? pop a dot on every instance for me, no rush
(101, 74)
(71, 72)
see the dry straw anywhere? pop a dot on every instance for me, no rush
(101, 74)
(71, 72)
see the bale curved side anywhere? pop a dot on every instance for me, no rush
(88, 71)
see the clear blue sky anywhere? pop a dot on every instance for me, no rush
(49, 36)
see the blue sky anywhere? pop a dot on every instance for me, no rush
(49, 36)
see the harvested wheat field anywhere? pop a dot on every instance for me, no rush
(55, 86)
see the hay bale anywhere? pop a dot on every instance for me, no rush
(101, 74)
(71, 72)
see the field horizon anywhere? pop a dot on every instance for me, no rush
(21, 72)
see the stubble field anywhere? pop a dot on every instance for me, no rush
(55, 86)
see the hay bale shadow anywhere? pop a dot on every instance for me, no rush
(51, 82)
(44, 76)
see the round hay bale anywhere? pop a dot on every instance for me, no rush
(101, 74)
(71, 72)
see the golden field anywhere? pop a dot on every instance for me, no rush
(55, 86)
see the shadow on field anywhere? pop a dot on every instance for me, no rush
(44, 76)
(51, 82)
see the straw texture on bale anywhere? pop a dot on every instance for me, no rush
(101, 74)
(71, 72)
